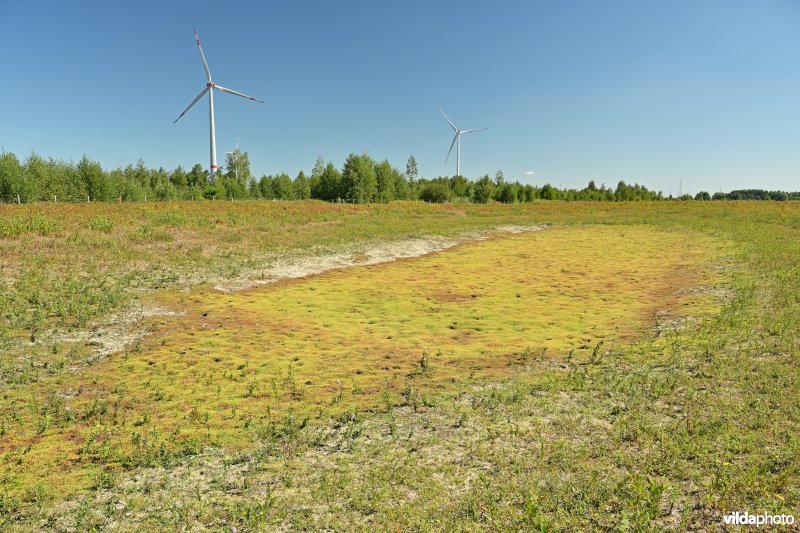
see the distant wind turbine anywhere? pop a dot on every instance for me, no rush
(456, 140)
(210, 86)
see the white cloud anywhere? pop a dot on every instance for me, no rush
(530, 173)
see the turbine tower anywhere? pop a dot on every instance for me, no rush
(210, 86)
(456, 140)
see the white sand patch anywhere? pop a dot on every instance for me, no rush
(355, 255)
(121, 330)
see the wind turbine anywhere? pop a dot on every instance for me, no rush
(456, 140)
(210, 86)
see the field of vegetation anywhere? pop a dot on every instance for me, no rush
(628, 366)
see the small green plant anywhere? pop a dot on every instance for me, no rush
(100, 224)
(103, 480)
(597, 355)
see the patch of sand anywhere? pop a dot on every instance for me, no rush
(123, 329)
(355, 255)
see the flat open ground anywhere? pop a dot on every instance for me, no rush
(628, 366)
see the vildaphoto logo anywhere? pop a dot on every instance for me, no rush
(747, 519)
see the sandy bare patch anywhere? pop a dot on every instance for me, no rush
(117, 331)
(120, 330)
(293, 267)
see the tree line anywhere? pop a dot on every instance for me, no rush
(360, 179)
(749, 194)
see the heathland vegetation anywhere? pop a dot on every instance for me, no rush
(631, 367)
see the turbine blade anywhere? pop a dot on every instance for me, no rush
(198, 97)
(451, 147)
(203, 57)
(230, 91)
(470, 131)
(448, 119)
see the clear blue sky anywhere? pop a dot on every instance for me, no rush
(703, 92)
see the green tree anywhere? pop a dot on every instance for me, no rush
(402, 191)
(116, 183)
(282, 187)
(231, 187)
(163, 189)
(131, 190)
(42, 178)
(25, 184)
(266, 187)
(330, 187)
(94, 178)
(214, 191)
(507, 193)
(66, 175)
(702, 195)
(437, 191)
(237, 167)
(386, 180)
(254, 189)
(411, 170)
(316, 178)
(302, 187)
(460, 186)
(197, 177)
(529, 193)
(623, 192)
(141, 174)
(483, 190)
(178, 178)
(10, 175)
(359, 183)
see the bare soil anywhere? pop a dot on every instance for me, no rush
(124, 328)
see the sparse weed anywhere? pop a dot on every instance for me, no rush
(102, 224)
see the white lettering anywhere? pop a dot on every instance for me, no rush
(758, 520)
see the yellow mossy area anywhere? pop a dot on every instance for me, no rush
(233, 366)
